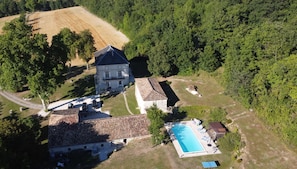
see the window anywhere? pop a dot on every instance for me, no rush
(120, 83)
(119, 73)
(107, 75)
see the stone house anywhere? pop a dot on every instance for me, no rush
(112, 70)
(67, 132)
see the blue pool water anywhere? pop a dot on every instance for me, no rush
(186, 138)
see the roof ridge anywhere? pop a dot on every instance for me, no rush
(154, 89)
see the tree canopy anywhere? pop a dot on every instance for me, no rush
(254, 41)
(19, 142)
(156, 117)
(11, 7)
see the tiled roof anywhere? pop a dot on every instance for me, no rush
(68, 116)
(98, 130)
(150, 89)
(110, 56)
(217, 127)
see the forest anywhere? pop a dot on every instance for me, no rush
(252, 41)
(12, 7)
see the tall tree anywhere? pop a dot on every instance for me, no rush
(47, 71)
(85, 46)
(15, 53)
(156, 117)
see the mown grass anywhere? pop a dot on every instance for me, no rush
(131, 99)
(115, 104)
(6, 106)
(141, 154)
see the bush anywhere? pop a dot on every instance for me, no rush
(218, 115)
(230, 142)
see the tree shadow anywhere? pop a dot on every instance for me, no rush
(74, 71)
(172, 97)
(176, 115)
(1, 108)
(139, 68)
(83, 87)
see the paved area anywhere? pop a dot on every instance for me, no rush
(94, 111)
(20, 101)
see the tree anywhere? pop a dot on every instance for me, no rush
(156, 117)
(231, 141)
(159, 62)
(27, 59)
(19, 142)
(64, 44)
(85, 46)
(15, 54)
(47, 69)
(31, 5)
(208, 60)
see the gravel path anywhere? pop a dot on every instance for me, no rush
(126, 103)
(20, 101)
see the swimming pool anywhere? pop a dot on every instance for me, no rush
(186, 138)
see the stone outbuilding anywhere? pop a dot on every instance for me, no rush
(148, 92)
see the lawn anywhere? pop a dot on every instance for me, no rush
(115, 104)
(141, 154)
(6, 106)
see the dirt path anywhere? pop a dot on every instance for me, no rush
(20, 101)
(126, 103)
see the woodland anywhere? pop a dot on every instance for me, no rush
(253, 41)
(10, 7)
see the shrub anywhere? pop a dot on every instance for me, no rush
(218, 115)
(231, 141)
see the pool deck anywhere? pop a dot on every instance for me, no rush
(203, 138)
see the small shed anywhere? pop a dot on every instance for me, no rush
(216, 130)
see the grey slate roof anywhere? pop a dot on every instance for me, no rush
(110, 56)
(150, 89)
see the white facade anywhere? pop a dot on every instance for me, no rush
(144, 103)
(111, 77)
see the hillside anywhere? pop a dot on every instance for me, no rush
(77, 19)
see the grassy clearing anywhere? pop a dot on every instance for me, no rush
(141, 154)
(212, 93)
(115, 104)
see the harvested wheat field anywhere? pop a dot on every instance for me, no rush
(77, 19)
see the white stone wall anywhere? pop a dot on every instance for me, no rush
(139, 101)
(143, 105)
(113, 81)
(66, 149)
